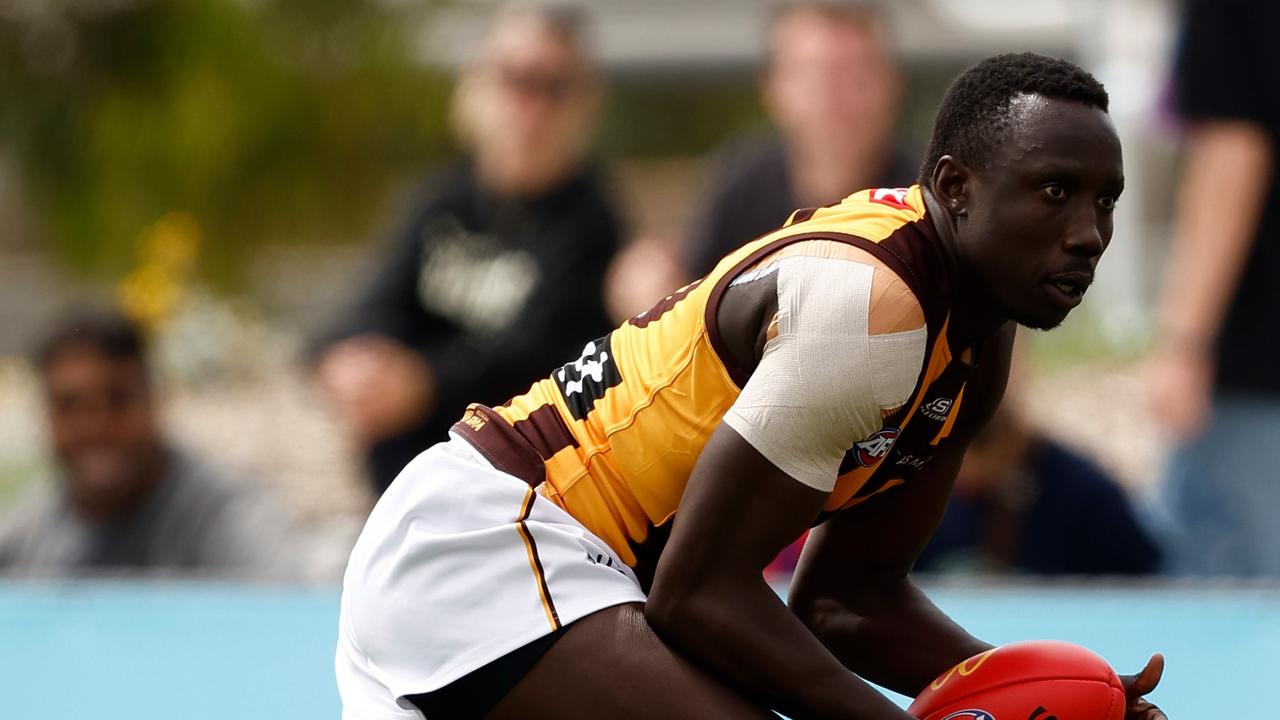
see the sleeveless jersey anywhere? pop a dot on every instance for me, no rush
(613, 436)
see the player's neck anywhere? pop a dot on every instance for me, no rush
(975, 315)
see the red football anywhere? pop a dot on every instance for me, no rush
(1038, 680)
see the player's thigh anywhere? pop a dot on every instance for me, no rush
(611, 664)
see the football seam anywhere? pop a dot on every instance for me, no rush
(1020, 681)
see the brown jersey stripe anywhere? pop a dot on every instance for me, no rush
(658, 310)
(801, 215)
(545, 431)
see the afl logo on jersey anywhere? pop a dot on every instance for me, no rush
(873, 449)
(970, 715)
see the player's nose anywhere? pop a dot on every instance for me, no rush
(1084, 237)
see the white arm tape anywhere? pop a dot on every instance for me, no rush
(824, 381)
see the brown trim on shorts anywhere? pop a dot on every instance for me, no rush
(531, 547)
(505, 448)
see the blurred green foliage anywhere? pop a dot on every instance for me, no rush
(265, 120)
(259, 122)
(679, 113)
(693, 111)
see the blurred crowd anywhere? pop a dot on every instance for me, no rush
(506, 260)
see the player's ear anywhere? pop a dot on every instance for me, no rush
(950, 181)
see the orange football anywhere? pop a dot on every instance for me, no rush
(1037, 680)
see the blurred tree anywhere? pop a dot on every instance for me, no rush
(258, 121)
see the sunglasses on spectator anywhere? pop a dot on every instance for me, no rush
(553, 87)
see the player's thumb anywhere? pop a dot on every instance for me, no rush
(1147, 680)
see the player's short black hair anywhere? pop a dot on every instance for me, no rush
(975, 111)
(108, 332)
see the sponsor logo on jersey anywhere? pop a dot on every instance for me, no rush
(937, 409)
(1035, 714)
(586, 379)
(970, 715)
(474, 420)
(893, 197)
(873, 449)
(913, 461)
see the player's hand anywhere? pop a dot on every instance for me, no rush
(1135, 686)
(379, 386)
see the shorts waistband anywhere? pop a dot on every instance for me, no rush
(501, 444)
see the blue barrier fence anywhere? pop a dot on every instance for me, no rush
(135, 651)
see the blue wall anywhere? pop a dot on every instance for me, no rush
(127, 651)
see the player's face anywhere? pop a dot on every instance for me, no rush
(101, 420)
(1040, 214)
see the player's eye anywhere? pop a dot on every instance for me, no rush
(1107, 203)
(1055, 191)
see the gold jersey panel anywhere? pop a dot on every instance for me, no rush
(618, 430)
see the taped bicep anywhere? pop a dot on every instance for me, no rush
(840, 362)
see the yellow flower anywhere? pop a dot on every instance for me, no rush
(167, 248)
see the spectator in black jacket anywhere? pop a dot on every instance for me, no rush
(1025, 503)
(1213, 379)
(831, 88)
(498, 272)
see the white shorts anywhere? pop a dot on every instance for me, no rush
(458, 565)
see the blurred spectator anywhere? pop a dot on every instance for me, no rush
(831, 87)
(643, 272)
(498, 274)
(1024, 503)
(127, 499)
(1213, 379)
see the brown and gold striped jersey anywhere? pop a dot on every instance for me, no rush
(613, 436)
